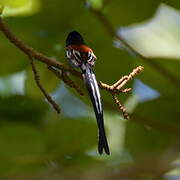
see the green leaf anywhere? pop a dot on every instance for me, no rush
(161, 32)
(68, 137)
(174, 3)
(154, 127)
(167, 113)
(80, 160)
(12, 59)
(160, 82)
(19, 7)
(97, 4)
(1, 9)
(22, 108)
(144, 142)
(127, 12)
(21, 149)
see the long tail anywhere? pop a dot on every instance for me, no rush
(93, 90)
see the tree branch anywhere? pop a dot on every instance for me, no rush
(116, 88)
(33, 53)
(37, 80)
(120, 106)
(64, 76)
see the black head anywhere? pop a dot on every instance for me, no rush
(74, 38)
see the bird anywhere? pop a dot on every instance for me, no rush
(81, 56)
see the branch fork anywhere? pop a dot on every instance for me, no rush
(117, 88)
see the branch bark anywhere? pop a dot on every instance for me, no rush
(37, 80)
(66, 79)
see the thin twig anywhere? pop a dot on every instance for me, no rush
(126, 90)
(120, 106)
(33, 53)
(65, 77)
(116, 88)
(135, 72)
(37, 80)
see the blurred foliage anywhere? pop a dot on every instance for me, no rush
(19, 7)
(36, 143)
(22, 108)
